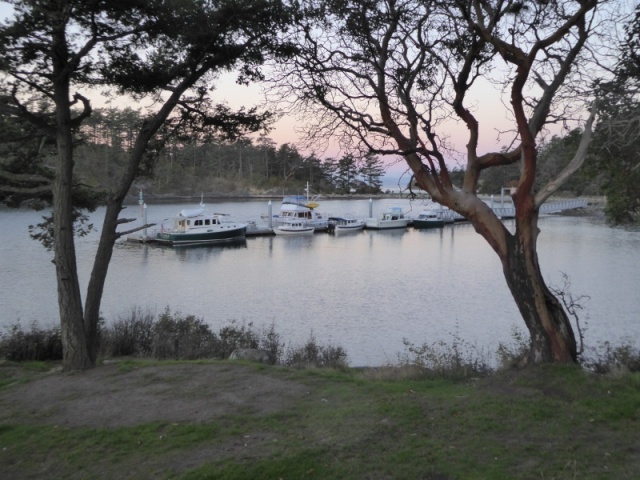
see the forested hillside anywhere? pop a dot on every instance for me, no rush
(194, 164)
(190, 164)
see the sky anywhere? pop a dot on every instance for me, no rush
(485, 103)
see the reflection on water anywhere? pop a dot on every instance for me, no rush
(296, 242)
(199, 253)
(365, 291)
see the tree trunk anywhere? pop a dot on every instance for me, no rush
(74, 346)
(75, 355)
(98, 277)
(109, 233)
(551, 335)
(552, 338)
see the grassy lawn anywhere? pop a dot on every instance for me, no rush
(542, 423)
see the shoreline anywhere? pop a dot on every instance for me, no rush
(594, 204)
(151, 199)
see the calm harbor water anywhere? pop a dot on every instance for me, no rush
(365, 291)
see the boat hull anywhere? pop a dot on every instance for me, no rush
(348, 228)
(293, 231)
(376, 224)
(428, 224)
(222, 235)
(344, 225)
(317, 224)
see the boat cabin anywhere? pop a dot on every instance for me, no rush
(205, 221)
(393, 214)
(185, 224)
(296, 214)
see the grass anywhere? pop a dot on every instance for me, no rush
(542, 423)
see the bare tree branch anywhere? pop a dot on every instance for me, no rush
(576, 162)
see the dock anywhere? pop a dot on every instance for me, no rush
(501, 211)
(252, 231)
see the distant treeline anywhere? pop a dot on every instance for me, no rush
(191, 164)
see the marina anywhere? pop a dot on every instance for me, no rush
(394, 217)
(366, 291)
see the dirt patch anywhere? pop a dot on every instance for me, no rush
(108, 397)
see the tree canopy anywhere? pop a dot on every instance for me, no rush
(617, 137)
(389, 75)
(166, 50)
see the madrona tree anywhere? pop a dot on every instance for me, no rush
(392, 75)
(53, 51)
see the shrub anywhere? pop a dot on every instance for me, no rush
(514, 354)
(36, 344)
(171, 336)
(270, 342)
(128, 336)
(458, 359)
(183, 338)
(606, 358)
(312, 354)
(236, 336)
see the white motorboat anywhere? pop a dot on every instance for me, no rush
(345, 224)
(391, 218)
(293, 228)
(301, 208)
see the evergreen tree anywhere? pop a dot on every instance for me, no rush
(617, 138)
(51, 48)
(372, 171)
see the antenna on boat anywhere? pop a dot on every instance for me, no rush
(141, 200)
(143, 212)
(202, 199)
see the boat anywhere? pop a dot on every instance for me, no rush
(199, 227)
(293, 227)
(345, 224)
(302, 209)
(391, 218)
(429, 219)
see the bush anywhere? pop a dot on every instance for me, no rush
(237, 336)
(171, 336)
(458, 359)
(312, 354)
(128, 336)
(514, 354)
(183, 338)
(270, 342)
(36, 344)
(609, 359)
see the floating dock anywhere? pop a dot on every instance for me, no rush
(503, 212)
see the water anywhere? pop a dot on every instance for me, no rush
(365, 291)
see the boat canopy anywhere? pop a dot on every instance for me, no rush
(299, 200)
(189, 213)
